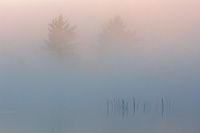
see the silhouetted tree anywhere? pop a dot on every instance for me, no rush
(61, 37)
(114, 32)
(114, 41)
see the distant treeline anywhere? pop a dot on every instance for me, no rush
(62, 37)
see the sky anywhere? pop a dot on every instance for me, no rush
(166, 17)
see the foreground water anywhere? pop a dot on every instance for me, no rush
(116, 100)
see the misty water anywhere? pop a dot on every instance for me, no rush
(121, 96)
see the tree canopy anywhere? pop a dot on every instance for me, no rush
(115, 32)
(60, 37)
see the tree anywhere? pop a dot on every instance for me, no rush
(114, 32)
(61, 37)
(115, 42)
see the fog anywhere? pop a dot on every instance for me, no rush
(87, 91)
